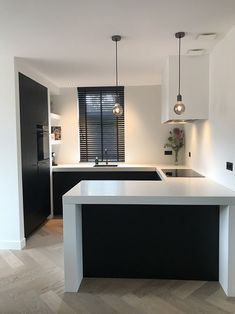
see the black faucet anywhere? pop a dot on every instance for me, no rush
(96, 160)
(106, 156)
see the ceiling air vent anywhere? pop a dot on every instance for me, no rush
(196, 52)
(179, 121)
(207, 36)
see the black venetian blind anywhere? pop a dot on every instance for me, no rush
(99, 128)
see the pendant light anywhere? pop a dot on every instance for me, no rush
(117, 109)
(179, 107)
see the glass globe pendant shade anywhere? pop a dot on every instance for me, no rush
(117, 109)
(179, 107)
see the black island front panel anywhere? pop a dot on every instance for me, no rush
(151, 241)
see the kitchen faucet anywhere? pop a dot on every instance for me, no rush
(106, 156)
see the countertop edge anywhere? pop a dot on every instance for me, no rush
(150, 200)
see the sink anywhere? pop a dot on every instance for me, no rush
(105, 166)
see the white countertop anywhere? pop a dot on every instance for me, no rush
(200, 191)
(168, 191)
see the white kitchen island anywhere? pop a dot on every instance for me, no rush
(177, 191)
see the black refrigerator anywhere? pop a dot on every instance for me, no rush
(34, 152)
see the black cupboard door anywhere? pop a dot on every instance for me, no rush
(151, 241)
(44, 201)
(33, 111)
(62, 183)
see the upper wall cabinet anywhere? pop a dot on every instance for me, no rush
(194, 88)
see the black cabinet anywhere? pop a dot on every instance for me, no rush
(151, 241)
(44, 202)
(35, 174)
(64, 181)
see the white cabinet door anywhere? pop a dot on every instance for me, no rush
(194, 88)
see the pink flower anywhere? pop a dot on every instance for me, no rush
(178, 133)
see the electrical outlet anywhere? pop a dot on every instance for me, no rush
(168, 152)
(189, 154)
(229, 166)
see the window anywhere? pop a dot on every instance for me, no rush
(99, 128)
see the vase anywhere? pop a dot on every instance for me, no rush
(176, 157)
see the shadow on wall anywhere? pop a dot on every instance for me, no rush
(200, 144)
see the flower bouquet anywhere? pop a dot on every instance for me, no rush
(175, 141)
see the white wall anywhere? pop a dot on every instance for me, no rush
(145, 136)
(212, 142)
(65, 105)
(11, 210)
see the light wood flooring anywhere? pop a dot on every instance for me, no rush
(31, 281)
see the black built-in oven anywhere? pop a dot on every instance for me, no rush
(43, 142)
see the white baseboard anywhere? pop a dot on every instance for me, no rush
(12, 245)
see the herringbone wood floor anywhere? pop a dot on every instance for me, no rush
(31, 281)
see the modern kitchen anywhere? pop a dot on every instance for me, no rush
(117, 165)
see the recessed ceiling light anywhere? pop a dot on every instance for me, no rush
(207, 36)
(196, 52)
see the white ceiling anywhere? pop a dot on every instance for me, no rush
(69, 42)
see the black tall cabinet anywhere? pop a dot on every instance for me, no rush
(35, 167)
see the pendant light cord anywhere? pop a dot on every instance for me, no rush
(116, 67)
(179, 64)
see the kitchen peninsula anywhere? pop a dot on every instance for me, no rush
(207, 212)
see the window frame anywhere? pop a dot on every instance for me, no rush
(88, 140)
